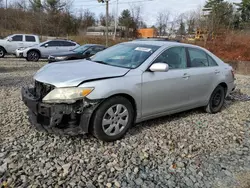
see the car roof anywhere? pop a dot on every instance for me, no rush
(163, 43)
(93, 45)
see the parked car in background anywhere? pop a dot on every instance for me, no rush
(79, 52)
(43, 50)
(9, 44)
(125, 84)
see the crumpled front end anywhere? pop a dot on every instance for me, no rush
(62, 119)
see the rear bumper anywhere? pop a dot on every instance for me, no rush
(69, 119)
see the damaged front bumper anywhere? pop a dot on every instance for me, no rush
(69, 119)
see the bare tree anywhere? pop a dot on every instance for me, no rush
(87, 19)
(136, 14)
(163, 21)
(102, 19)
(173, 25)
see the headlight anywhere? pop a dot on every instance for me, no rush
(61, 58)
(67, 95)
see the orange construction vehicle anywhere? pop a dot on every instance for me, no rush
(147, 32)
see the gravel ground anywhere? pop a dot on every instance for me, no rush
(190, 149)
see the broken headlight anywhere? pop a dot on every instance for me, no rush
(66, 95)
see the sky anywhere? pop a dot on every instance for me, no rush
(150, 8)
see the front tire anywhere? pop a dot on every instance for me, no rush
(216, 100)
(33, 56)
(2, 52)
(112, 119)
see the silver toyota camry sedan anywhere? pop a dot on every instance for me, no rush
(125, 84)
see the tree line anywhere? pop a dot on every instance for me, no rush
(215, 16)
(56, 18)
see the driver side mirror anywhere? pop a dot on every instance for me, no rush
(46, 45)
(9, 39)
(159, 67)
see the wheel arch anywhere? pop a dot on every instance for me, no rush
(36, 50)
(3, 49)
(224, 85)
(125, 95)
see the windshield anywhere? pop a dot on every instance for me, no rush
(81, 49)
(127, 55)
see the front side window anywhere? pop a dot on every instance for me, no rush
(127, 55)
(52, 43)
(198, 58)
(17, 38)
(175, 58)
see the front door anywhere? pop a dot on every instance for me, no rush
(50, 49)
(15, 43)
(166, 91)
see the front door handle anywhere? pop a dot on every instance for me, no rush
(216, 71)
(185, 76)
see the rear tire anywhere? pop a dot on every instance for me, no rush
(33, 56)
(112, 119)
(216, 100)
(2, 52)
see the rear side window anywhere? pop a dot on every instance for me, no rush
(198, 58)
(175, 57)
(30, 38)
(212, 62)
(17, 38)
(66, 43)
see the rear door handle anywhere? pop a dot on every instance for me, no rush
(186, 76)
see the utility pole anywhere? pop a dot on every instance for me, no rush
(116, 19)
(6, 6)
(107, 17)
(107, 20)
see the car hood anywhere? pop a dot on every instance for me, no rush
(73, 73)
(64, 54)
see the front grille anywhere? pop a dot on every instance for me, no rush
(42, 89)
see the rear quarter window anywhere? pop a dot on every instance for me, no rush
(211, 61)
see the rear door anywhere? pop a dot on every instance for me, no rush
(29, 40)
(203, 76)
(66, 46)
(17, 42)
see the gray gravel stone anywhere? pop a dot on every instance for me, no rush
(139, 181)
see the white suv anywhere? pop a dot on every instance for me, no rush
(9, 44)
